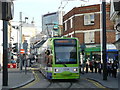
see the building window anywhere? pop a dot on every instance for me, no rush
(71, 23)
(89, 19)
(89, 37)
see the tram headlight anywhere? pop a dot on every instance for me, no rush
(56, 70)
(75, 69)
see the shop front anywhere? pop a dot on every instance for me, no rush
(94, 52)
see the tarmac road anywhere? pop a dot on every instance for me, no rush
(42, 82)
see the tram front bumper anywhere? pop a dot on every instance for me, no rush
(66, 76)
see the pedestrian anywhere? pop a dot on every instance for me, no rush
(30, 60)
(18, 60)
(99, 67)
(12, 58)
(23, 59)
(114, 69)
(95, 66)
(36, 58)
(91, 66)
(80, 66)
(33, 57)
(83, 65)
(109, 68)
(86, 67)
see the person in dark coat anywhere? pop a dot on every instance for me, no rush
(99, 67)
(114, 69)
(80, 66)
(91, 66)
(95, 65)
(23, 59)
(86, 67)
(83, 65)
(109, 68)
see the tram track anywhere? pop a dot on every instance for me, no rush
(98, 85)
(59, 84)
(67, 84)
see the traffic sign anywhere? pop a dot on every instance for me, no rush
(22, 51)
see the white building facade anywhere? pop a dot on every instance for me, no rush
(28, 31)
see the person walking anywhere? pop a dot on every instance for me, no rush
(91, 66)
(109, 68)
(86, 67)
(24, 59)
(83, 65)
(95, 65)
(12, 58)
(99, 67)
(80, 66)
(114, 69)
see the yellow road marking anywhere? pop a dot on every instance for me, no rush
(37, 79)
(97, 84)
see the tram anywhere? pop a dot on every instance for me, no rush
(59, 58)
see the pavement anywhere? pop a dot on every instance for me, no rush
(19, 78)
(111, 82)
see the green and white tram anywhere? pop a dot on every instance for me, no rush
(59, 58)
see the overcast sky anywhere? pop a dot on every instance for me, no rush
(36, 8)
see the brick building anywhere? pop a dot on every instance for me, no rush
(115, 17)
(85, 24)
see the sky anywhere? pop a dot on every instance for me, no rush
(36, 8)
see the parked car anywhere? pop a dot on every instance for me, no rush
(12, 64)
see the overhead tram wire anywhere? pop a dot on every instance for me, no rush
(60, 7)
(67, 1)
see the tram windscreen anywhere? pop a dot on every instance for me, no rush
(65, 51)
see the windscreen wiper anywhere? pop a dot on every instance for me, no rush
(64, 65)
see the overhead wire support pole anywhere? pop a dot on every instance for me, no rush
(104, 58)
